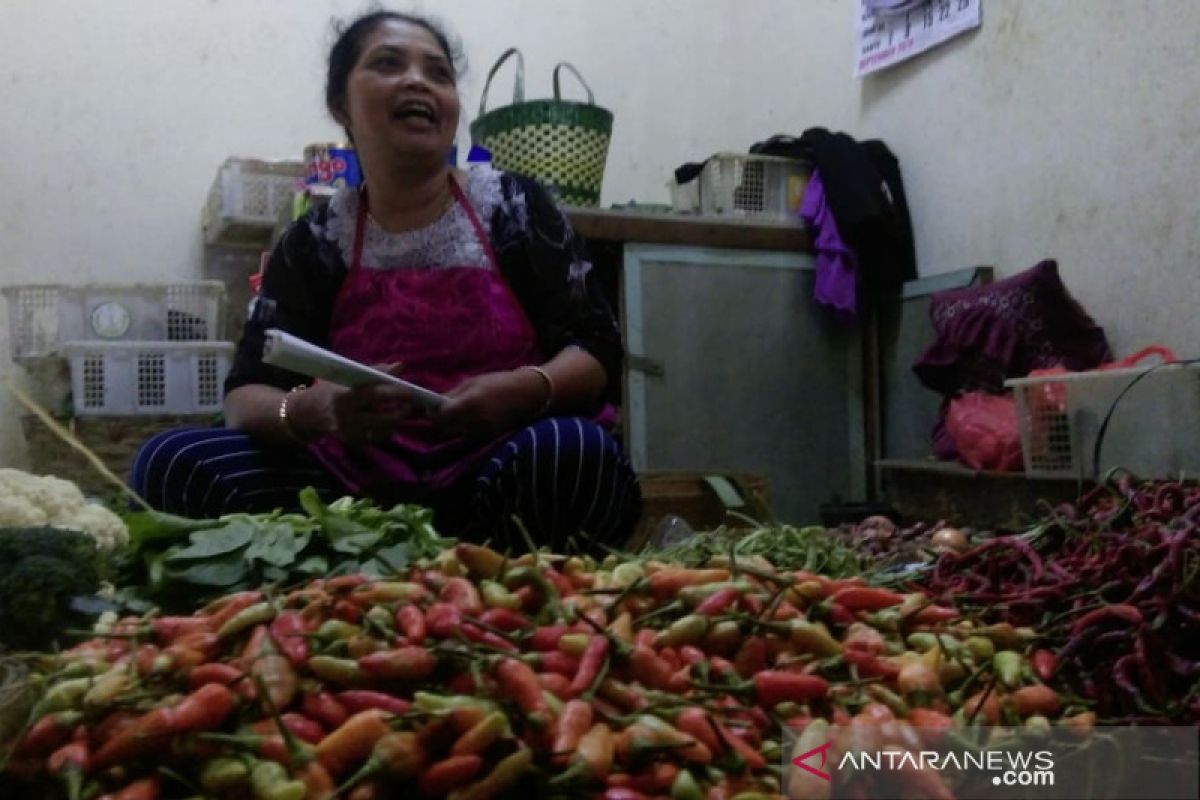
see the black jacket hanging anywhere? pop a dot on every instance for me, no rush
(865, 191)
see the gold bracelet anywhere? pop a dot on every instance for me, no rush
(283, 413)
(549, 387)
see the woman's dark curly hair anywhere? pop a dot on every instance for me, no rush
(348, 48)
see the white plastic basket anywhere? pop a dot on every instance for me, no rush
(117, 378)
(1154, 430)
(752, 185)
(246, 200)
(41, 317)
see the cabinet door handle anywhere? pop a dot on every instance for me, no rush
(645, 364)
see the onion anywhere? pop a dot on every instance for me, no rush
(877, 527)
(949, 539)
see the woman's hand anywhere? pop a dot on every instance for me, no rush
(491, 403)
(358, 416)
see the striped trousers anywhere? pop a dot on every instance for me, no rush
(565, 478)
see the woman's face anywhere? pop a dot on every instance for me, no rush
(402, 97)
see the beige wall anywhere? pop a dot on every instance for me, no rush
(1063, 128)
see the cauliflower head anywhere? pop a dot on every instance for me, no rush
(31, 500)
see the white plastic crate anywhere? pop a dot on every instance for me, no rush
(1154, 430)
(246, 200)
(42, 317)
(752, 185)
(148, 377)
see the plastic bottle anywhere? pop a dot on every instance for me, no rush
(670, 530)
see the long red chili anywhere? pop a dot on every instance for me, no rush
(48, 733)
(556, 684)
(144, 789)
(574, 721)
(288, 632)
(439, 779)
(303, 728)
(648, 669)
(462, 594)
(719, 602)
(225, 675)
(355, 700)
(694, 721)
(168, 629)
(1043, 663)
(474, 633)
(324, 708)
(409, 663)
(773, 687)
(655, 780)
(519, 682)
(555, 662)
(202, 710)
(590, 664)
(838, 614)
(504, 619)
(443, 620)
(545, 638)
(862, 598)
(868, 664)
(410, 621)
(752, 657)
(227, 607)
(559, 581)
(70, 762)
(1118, 611)
(754, 760)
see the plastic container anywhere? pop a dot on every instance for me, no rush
(1154, 430)
(246, 200)
(753, 186)
(135, 378)
(685, 198)
(41, 317)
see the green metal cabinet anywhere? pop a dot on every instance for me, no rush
(733, 367)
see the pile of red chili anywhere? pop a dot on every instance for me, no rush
(475, 676)
(1111, 585)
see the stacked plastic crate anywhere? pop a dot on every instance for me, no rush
(250, 203)
(139, 349)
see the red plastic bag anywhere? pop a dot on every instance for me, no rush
(1053, 396)
(984, 427)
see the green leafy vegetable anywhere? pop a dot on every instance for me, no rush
(224, 570)
(175, 562)
(785, 546)
(216, 542)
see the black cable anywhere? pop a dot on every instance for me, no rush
(1112, 408)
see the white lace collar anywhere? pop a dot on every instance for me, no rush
(450, 241)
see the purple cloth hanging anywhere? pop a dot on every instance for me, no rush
(837, 266)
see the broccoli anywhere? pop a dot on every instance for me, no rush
(41, 571)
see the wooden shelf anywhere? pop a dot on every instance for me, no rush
(683, 229)
(930, 490)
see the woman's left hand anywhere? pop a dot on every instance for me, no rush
(490, 403)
